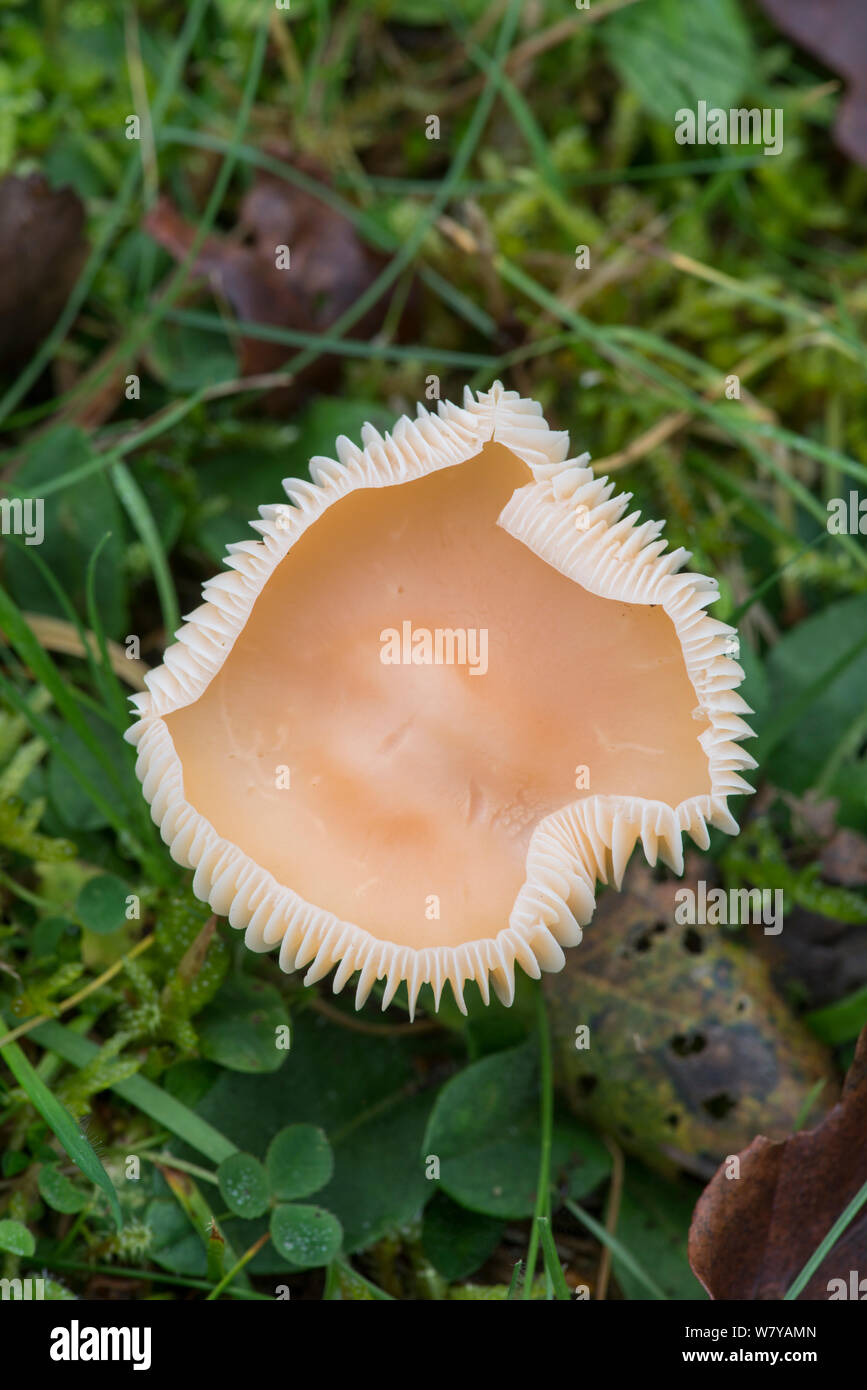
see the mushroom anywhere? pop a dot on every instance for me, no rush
(448, 690)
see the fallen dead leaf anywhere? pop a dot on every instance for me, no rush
(835, 32)
(813, 817)
(42, 250)
(330, 268)
(752, 1235)
(844, 859)
(691, 1049)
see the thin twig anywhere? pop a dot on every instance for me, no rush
(57, 635)
(380, 1030)
(671, 424)
(612, 1215)
(524, 53)
(238, 1266)
(80, 994)
(171, 1161)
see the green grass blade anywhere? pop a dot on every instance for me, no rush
(369, 228)
(552, 1261)
(792, 713)
(391, 272)
(62, 1124)
(109, 685)
(378, 1294)
(200, 1216)
(546, 1122)
(774, 578)
(139, 513)
(461, 304)
(444, 192)
(140, 1275)
(25, 644)
(325, 342)
(842, 1021)
(143, 328)
(144, 1095)
(811, 448)
(594, 178)
(60, 594)
(726, 420)
(164, 420)
(521, 111)
(761, 520)
(807, 1104)
(152, 863)
(840, 1225)
(616, 1247)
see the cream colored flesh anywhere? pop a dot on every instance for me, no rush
(414, 789)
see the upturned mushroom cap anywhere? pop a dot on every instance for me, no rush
(447, 691)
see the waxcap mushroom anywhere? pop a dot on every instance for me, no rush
(554, 538)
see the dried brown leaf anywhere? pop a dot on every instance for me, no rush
(330, 268)
(835, 31)
(844, 859)
(751, 1235)
(42, 250)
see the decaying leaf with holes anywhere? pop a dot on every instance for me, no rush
(691, 1051)
(752, 1235)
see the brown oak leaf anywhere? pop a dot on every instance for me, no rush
(752, 1235)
